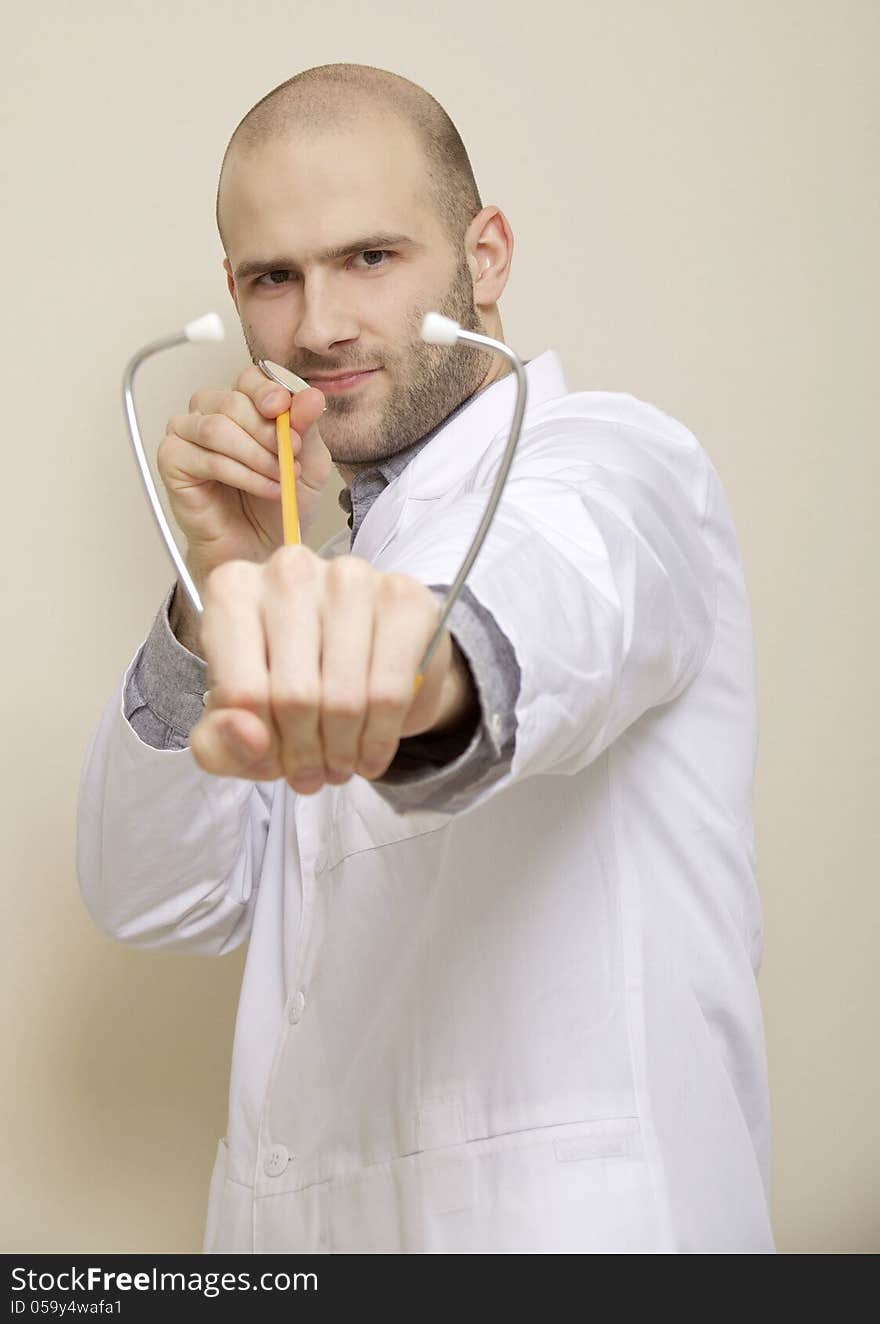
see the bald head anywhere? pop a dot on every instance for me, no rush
(334, 98)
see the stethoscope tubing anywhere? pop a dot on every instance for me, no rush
(466, 337)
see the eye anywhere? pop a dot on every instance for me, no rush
(375, 252)
(269, 276)
(260, 279)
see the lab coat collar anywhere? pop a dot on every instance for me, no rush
(467, 434)
(457, 444)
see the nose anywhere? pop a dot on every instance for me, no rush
(325, 321)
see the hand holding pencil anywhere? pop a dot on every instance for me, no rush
(244, 470)
(221, 468)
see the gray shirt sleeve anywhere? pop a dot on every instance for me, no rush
(163, 698)
(163, 702)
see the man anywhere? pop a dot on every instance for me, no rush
(500, 991)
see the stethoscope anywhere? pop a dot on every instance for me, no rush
(436, 330)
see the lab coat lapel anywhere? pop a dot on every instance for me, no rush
(487, 417)
(456, 447)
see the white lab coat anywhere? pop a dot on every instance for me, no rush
(531, 1024)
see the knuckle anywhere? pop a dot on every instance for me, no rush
(211, 427)
(194, 407)
(349, 570)
(293, 561)
(307, 758)
(249, 379)
(397, 588)
(239, 694)
(295, 700)
(375, 748)
(343, 704)
(389, 700)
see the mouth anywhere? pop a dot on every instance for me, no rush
(330, 385)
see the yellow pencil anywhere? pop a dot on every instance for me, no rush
(289, 511)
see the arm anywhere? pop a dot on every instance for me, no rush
(598, 569)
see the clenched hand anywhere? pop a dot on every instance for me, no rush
(311, 669)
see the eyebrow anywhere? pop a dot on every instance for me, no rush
(256, 266)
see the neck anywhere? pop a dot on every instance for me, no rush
(500, 367)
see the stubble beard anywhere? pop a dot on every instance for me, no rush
(428, 383)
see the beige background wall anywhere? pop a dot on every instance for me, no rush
(692, 185)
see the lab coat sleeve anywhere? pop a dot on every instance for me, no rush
(168, 855)
(600, 572)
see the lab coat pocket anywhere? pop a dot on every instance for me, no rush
(362, 821)
(580, 1187)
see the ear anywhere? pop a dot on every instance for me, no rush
(230, 281)
(489, 246)
(474, 267)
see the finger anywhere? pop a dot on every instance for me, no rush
(232, 742)
(292, 625)
(219, 432)
(306, 408)
(217, 448)
(235, 651)
(267, 396)
(403, 621)
(238, 406)
(271, 400)
(248, 737)
(347, 622)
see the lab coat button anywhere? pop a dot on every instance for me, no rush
(296, 1007)
(276, 1161)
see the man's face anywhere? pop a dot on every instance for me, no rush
(282, 207)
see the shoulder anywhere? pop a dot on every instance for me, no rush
(581, 435)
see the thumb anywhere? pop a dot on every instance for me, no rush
(306, 407)
(316, 463)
